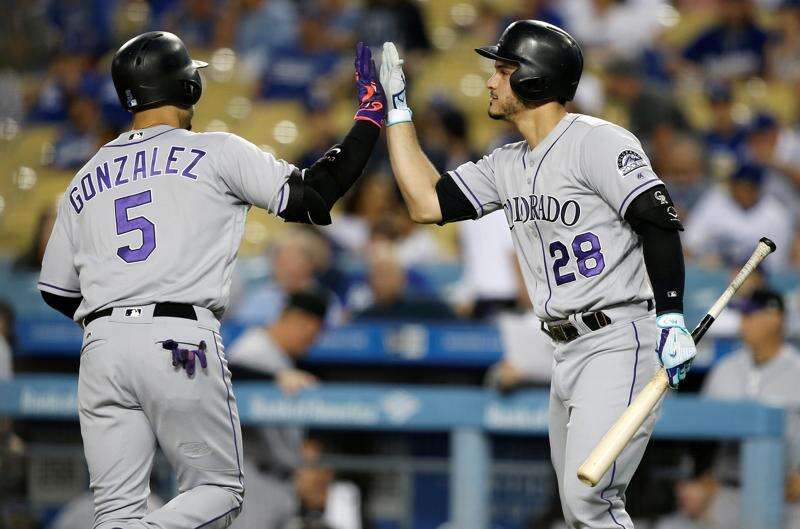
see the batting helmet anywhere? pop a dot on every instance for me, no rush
(550, 61)
(154, 69)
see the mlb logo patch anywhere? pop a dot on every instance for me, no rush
(136, 136)
(133, 313)
(629, 161)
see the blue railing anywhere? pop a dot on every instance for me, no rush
(469, 414)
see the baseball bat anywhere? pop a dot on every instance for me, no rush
(622, 431)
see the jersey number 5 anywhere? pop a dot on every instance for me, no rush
(586, 248)
(126, 225)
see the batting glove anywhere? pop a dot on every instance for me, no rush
(187, 357)
(675, 348)
(394, 81)
(371, 99)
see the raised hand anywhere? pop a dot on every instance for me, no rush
(371, 99)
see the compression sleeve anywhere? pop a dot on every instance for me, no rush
(313, 192)
(65, 305)
(653, 217)
(453, 203)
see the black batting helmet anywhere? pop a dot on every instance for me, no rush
(154, 69)
(550, 61)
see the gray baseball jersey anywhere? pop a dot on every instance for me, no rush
(565, 203)
(157, 215)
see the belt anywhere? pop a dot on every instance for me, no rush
(169, 310)
(564, 331)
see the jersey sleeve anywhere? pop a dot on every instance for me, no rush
(254, 176)
(59, 275)
(476, 180)
(615, 166)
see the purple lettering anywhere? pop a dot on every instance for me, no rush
(153, 170)
(187, 172)
(121, 161)
(89, 193)
(103, 177)
(139, 166)
(76, 200)
(172, 158)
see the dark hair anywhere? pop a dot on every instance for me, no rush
(311, 301)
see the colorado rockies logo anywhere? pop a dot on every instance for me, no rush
(628, 161)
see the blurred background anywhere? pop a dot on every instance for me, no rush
(711, 88)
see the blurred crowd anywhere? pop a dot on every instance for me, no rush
(711, 87)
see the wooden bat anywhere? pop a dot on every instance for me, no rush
(620, 434)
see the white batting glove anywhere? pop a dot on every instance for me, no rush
(675, 347)
(394, 84)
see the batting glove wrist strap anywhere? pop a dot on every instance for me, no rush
(398, 115)
(671, 319)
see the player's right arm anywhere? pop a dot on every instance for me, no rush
(308, 195)
(466, 193)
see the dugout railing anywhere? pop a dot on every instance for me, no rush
(470, 415)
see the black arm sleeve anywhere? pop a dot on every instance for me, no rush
(64, 305)
(454, 205)
(312, 195)
(652, 215)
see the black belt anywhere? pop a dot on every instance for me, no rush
(170, 310)
(566, 332)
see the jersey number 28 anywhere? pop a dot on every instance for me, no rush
(586, 248)
(126, 225)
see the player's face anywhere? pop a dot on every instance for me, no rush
(503, 104)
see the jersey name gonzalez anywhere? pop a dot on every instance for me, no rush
(546, 208)
(126, 168)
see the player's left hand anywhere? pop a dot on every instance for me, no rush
(371, 99)
(675, 347)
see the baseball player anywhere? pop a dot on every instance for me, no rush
(141, 256)
(591, 223)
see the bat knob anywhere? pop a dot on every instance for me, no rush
(769, 243)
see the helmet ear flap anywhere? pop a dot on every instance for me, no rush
(527, 87)
(192, 89)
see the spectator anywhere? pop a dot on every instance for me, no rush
(256, 45)
(765, 370)
(325, 503)
(489, 282)
(297, 259)
(612, 28)
(702, 504)
(734, 47)
(7, 340)
(275, 453)
(398, 21)
(364, 207)
(387, 297)
(298, 72)
(725, 139)
(684, 174)
(31, 259)
(784, 51)
(65, 79)
(194, 20)
(651, 114)
(779, 153)
(80, 137)
(729, 219)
